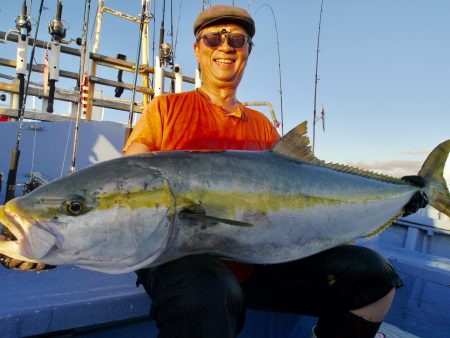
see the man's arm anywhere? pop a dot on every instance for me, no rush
(148, 132)
(136, 148)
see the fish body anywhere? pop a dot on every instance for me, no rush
(256, 207)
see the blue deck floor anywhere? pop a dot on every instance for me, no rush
(83, 303)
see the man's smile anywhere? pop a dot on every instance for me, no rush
(224, 61)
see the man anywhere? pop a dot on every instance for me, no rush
(349, 288)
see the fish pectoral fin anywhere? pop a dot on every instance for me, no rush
(225, 221)
(207, 221)
(194, 211)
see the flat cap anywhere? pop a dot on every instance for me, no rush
(220, 14)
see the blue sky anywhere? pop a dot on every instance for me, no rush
(384, 68)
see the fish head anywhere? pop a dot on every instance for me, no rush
(112, 218)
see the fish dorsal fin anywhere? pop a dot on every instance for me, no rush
(295, 144)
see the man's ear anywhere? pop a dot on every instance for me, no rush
(197, 51)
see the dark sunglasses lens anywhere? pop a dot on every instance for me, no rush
(213, 40)
(236, 40)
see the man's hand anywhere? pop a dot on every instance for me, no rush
(419, 199)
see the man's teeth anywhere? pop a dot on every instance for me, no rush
(224, 61)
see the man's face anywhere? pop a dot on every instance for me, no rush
(222, 66)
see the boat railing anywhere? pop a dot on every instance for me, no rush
(73, 96)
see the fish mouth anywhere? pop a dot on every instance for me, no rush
(18, 244)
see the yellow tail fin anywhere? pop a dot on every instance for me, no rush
(432, 172)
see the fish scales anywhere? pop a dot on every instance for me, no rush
(296, 208)
(256, 207)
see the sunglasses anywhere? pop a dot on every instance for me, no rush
(234, 40)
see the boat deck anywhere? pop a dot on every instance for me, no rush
(72, 302)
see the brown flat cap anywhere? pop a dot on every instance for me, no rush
(220, 14)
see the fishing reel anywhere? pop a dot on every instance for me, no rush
(56, 27)
(31, 185)
(23, 24)
(35, 182)
(166, 54)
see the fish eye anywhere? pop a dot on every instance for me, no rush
(74, 207)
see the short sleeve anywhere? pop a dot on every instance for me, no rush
(149, 128)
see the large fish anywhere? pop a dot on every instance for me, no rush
(257, 207)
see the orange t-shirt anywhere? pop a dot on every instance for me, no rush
(189, 121)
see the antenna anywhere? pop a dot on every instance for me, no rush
(315, 81)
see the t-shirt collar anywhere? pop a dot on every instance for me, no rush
(239, 114)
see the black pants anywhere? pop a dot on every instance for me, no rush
(199, 297)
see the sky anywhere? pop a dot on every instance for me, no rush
(384, 68)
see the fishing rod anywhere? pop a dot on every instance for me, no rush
(176, 34)
(161, 29)
(23, 25)
(279, 66)
(165, 49)
(58, 32)
(172, 80)
(316, 79)
(153, 40)
(144, 17)
(164, 58)
(15, 153)
(177, 81)
(81, 82)
(198, 75)
(171, 22)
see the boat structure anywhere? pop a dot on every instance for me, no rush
(70, 130)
